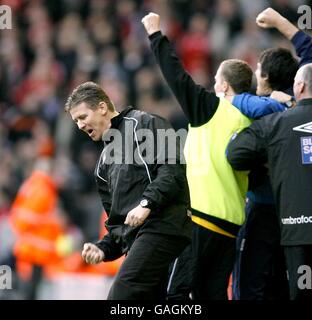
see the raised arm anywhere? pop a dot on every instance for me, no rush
(269, 18)
(198, 104)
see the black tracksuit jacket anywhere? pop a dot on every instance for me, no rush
(285, 140)
(122, 184)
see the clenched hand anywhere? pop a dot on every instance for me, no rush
(137, 216)
(151, 23)
(268, 18)
(92, 254)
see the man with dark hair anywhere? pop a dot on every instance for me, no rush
(276, 70)
(259, 272)
(285, 141)
(217, 192)
(146, 201)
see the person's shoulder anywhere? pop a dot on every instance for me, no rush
(138, 115)
(267, 122)
(271, 124)
(273, 117)
(134, 114)
(146, 118)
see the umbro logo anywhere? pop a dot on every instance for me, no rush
(307, 127)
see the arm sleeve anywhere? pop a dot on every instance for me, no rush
(198, 104)
(248, 149)
(255, 107)
(112, 250)
(303, 45)
(169, 173)
(104, 194)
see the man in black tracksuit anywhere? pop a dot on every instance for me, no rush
(144, 191)
(285, 141)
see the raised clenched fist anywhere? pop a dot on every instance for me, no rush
(151, 23)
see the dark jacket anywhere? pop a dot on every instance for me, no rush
(130, 169)
(285, 140)
(260, 188)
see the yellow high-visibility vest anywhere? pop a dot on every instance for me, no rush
(215, 188)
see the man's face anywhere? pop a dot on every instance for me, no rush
(219, 83)
(262, 84)
(92, 121)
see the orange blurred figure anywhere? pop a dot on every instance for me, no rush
(36, 222)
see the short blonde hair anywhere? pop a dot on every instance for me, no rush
(90, 93)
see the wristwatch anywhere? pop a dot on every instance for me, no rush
(146, 203)
(291, 103)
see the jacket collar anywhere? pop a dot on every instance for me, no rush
(115, 122)
(305, 102)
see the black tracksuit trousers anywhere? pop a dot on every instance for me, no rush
(144, 273)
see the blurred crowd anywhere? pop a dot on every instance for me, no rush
(55, 45)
